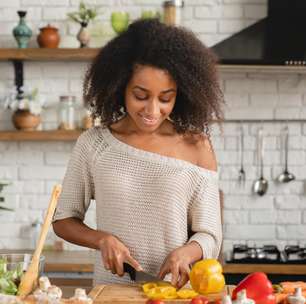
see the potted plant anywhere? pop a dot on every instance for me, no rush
(83, 16)
(26, 106)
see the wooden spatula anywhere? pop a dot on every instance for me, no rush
(29, 279)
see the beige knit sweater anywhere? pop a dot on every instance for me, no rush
(146, 199)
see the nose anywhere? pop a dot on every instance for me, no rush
(152, 108)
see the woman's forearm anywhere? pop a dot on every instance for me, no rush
(75, 231)
(194, 250)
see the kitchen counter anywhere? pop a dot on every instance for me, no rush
(82, 262)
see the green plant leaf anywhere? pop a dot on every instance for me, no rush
(84, 14)
(82, 6)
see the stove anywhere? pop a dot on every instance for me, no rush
(295, 254)
(267, 254)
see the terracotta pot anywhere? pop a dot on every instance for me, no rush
(25, 121)
(48, 37)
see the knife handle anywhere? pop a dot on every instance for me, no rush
(130, 270)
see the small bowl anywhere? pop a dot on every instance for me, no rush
(21, 262)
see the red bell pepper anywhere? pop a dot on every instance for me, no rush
(258, 287)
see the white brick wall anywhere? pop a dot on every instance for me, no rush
(33, 168)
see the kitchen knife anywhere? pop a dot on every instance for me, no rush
(139, 276)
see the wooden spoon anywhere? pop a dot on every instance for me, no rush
(29, 279)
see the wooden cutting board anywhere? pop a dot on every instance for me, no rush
(127, 294)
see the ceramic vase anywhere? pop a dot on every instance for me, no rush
(83, 35)
(48, 37)
(24, 120)
(22, 32)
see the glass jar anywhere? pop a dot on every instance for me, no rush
(67, 113)
(173, 12)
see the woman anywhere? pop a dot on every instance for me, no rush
(150, 168)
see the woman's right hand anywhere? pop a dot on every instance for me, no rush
(114, 254)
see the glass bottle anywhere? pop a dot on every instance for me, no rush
(67, 113)
(173, 12)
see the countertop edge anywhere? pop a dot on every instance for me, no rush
(83, 262)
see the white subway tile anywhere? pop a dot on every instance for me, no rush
(235, 217)
(29, 158)
(236, 100)
(9, 230)
(250, 85)
(264, 100)
(10, 3)
(289, 217)
(207, 12)
(202, 26)
(57, 158)
(263, 217)
(291, 232)
(232, 11)
(8, 172)
(18, 243)
(33, 187)
(288, 202)
(41, 172)
(250, 232)
(55, 13)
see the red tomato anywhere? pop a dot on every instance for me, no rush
(199, 300)
(155, 302)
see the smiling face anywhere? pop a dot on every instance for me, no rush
(150, 97)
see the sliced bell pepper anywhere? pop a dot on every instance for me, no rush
(186, 293)
(162, 292)
(146, 287)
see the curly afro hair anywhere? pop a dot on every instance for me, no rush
(174, 49)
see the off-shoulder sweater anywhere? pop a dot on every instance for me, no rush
(145, 199)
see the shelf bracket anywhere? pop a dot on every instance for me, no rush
(18, 69)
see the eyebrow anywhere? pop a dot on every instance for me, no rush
(146, 90)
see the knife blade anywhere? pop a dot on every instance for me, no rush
(139, 276)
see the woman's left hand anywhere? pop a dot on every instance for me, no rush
(178, 261)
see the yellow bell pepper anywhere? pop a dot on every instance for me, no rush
(186, 293)
(206, 276)
(147, 286)
(162, 292)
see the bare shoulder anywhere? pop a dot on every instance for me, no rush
(204, 152)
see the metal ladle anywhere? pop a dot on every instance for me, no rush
(260, 186)
(286, 176)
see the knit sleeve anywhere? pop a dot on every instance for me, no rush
(78, 188)
(205, 215)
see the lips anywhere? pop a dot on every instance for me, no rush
(148, 120)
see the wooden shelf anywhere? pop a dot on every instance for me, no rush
(53, 135)
(36, 54)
